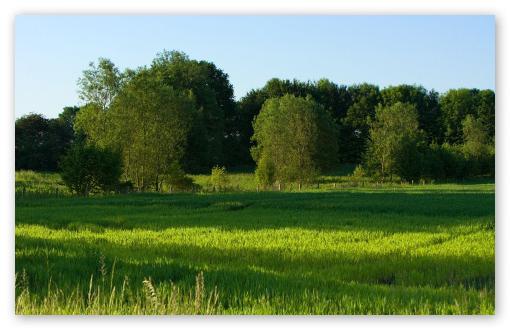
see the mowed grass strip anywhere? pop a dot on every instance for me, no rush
(416, 250)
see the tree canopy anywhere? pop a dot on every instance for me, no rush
(295, 140)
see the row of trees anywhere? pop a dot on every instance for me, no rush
(178, 115)
(397, 146)
(353, 107)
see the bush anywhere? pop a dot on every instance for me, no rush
(358, 174)
(219, 178)
(86, 169)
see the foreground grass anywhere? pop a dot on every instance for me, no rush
(411, 250)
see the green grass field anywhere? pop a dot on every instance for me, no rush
(422, 249)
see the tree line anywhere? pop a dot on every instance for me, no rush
(179, 115)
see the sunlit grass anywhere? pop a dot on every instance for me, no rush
(421, 249)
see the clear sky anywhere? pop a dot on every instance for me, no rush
(437, 52)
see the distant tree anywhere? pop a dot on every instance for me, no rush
(394, 139)
(68, 115)
(456, 104)
(426, 104)
(334, 98)
(476, 147)
(295, 140)
(248, 108)
(32, 143)
(355, 124)
(486, 113)
(40, 142)
(86, 169)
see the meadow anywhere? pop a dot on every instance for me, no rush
(337, 249)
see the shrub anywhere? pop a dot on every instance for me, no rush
(358, 174)
(86, 169)
(219, 178)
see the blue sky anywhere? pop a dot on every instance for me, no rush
(437, 52)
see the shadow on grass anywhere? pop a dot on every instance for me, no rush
(387, 212)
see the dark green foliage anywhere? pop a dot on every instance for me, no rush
(355, 124)
(486, 113)
(477, 149)
(177, 179)
(40, 142)
(426, 104)
(87, 169)
(457, 104)
(409, 161)
(215, 126)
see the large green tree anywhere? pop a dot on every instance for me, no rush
(295, 140)
(150, 122)
(214, 129)
(334, 98)
(394, 141)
